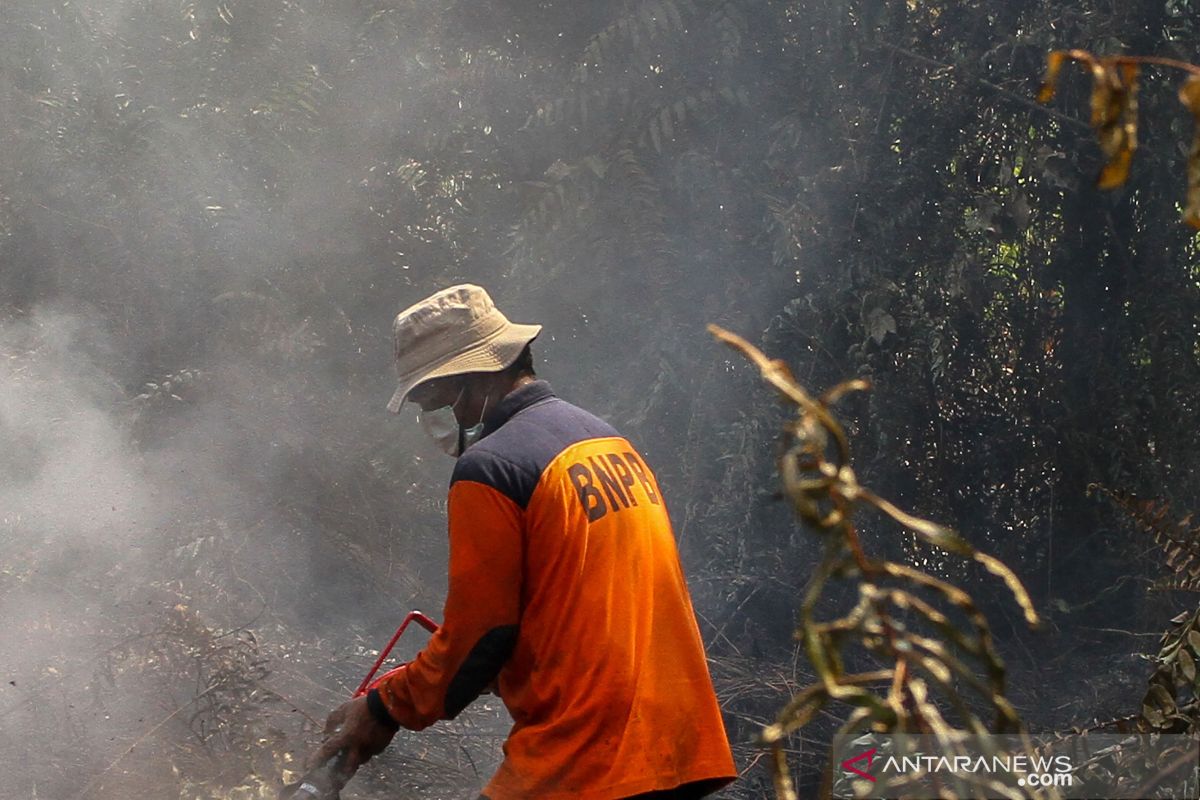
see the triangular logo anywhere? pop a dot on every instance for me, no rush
(848, 764)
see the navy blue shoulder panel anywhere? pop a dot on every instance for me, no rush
(512, 458)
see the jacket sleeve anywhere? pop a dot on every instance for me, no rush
(481, 616)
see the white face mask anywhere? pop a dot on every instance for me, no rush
(441, 425)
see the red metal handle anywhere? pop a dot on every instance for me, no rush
(413, 616)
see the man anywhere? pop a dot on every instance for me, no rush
(566, 595)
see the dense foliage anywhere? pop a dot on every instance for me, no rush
(210, 210)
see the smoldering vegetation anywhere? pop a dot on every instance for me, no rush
(211, 209)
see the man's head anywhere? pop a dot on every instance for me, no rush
(455, 349)
(469, 392)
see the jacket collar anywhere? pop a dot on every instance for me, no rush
(515, 402)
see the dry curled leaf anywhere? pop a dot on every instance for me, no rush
(1189, 95)
(1114, 113)
(1114, 116)
(1113, 107)
(1054, 64)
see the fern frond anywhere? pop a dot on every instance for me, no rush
(1189, 583)
(667, 121)
(1178, 540)
(730, 26)
(639, 187)
(640, 29)
(579, 108)
(294, 103)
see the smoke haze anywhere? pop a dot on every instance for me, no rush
(210, 211)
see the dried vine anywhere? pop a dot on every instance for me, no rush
(1115, 113)
(925, 652)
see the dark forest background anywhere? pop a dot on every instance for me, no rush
(210, 210)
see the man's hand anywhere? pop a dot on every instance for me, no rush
(352, 727)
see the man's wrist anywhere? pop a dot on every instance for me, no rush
(379, 711)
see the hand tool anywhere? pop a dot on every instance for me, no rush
(325, 780)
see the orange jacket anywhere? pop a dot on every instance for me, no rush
(566, 588)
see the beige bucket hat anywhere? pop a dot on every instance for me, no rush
(456, 331)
